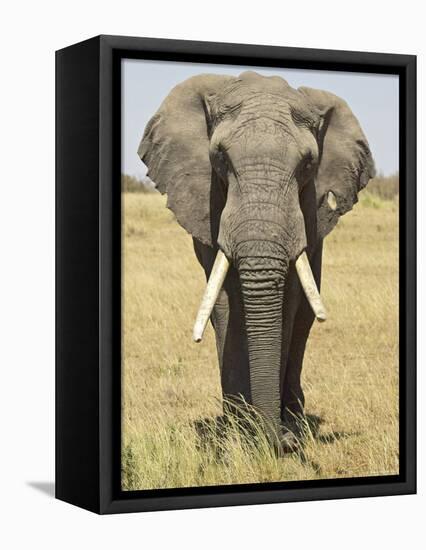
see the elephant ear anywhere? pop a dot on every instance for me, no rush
(346, 164)
(175, 148)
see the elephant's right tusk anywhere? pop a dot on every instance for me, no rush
(309, 286)
(214, 284)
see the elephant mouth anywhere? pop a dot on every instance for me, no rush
(217, 278)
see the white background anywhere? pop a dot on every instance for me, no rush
(30, 33)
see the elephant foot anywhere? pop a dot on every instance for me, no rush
(295, 422)
(292, 434)
(290, 443)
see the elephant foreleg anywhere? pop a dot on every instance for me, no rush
(228, 323)
(292, 397)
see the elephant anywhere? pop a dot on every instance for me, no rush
(258, 173)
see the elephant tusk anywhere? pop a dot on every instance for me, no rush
(331, 199)
(214, 284)
(309, 286)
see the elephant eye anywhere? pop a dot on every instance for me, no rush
(308, 162)
(221, 162)
(306, 169)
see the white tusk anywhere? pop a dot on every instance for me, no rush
(214, 284)
(309, 286)
(331, 199)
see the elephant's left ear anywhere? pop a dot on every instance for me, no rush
(346, 164)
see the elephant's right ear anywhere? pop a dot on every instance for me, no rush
(175, 148)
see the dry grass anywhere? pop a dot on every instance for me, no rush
(132, 184)
(350, 372)
(385, 187)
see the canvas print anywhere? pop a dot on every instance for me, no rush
(260, 275)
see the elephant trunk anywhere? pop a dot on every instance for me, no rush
(262, 285)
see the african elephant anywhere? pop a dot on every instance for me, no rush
(258, 173)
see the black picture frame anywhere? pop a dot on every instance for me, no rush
(88, 273)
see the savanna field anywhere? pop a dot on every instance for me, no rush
(171, 387)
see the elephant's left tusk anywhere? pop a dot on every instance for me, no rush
(214, 284)
(309, 286)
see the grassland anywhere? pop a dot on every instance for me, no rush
(350, 372)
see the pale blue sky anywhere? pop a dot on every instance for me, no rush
(372, 97)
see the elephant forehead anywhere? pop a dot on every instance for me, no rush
(253, 82)
(253, 91)
(271, 82)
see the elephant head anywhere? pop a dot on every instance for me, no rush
(261, 172)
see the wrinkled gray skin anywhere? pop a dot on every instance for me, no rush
(247, 163)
